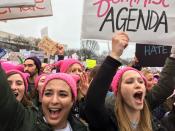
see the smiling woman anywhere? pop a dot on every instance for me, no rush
(56, 104)
(58, 96)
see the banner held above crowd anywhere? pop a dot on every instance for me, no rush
(145, 21)
(42, 8)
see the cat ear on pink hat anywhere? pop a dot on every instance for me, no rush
(10, 66)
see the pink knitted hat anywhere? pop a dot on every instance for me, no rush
(25, 76)
(20, 67)
(10, 66)
(119, 75)
(38, 78)
(64, 65)
(71, 80)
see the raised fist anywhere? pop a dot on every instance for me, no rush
(119, 43)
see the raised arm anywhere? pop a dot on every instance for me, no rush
(96, 113)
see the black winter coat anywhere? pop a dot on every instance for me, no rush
(15, 117)
(101, 118)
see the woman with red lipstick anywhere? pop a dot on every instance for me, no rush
(131, 111)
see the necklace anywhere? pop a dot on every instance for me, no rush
(134, 125)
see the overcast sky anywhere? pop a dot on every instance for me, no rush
(64, 26)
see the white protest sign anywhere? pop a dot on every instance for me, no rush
(25, 53)
(42, 8)
(14, 3)
(14, 56)
(146, 21)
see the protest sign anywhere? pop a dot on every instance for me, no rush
(146, 21)
(15, 3)
(42, 8)
(90, 63)
(48, 46)
(25, 53)
(152, 55)
(38, 54)
(15, 57)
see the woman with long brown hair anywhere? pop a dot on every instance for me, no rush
(130, 111)
(18, 82)
(19, 85)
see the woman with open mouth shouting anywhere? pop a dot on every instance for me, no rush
(18, 82)
(58, 95)
(19, 85)
(131, 107)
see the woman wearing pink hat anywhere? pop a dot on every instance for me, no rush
(58, 96)
(70, 66)
(19, 85)
(36, 93)
(17, 81)
(131, 111)
(74, 66)
(39, 83)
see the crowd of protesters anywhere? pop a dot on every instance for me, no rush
(65, 96)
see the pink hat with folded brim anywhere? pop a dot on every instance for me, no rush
(38, 78)
(118, 76)
(25, 76)
(64, 65)
(71, 80)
